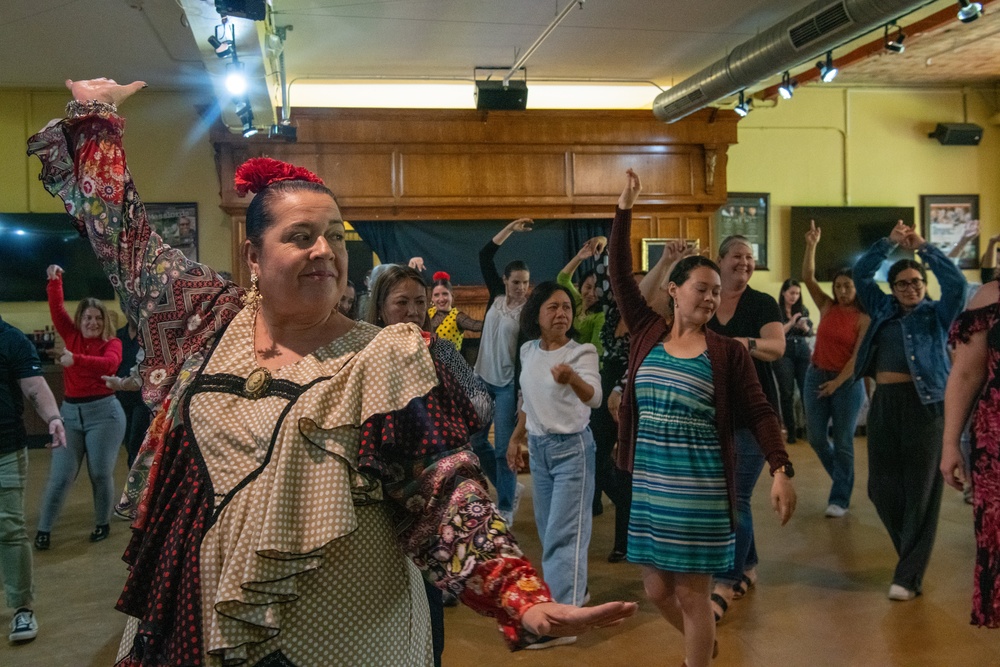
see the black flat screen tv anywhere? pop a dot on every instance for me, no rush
(847, 232)
(29, 242)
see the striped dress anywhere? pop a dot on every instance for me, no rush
(680, 508)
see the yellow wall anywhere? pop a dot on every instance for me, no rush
(860, 147)
(170, 157)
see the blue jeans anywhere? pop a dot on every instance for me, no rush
(562, 474)
(94, 429)
(494, 461)
(749, 463)
(15, 550)
(841, 410)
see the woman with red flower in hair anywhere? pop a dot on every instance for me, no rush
(446, 320)
(303, 468)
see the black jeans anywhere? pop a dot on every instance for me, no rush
(789, 370)
(616, 483)
(904, 483)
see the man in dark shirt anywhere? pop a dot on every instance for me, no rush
(20, 376)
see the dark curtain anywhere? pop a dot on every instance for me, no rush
(454, 245)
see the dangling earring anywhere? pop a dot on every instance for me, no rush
(252, 297)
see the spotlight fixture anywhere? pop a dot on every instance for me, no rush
(969, 11)
(224, 45)
(827, 72)
(894, 44)
(743, 107)
(245, 113)
(283, 131)
(236, 79)
(786, 87)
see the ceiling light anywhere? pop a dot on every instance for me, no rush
(224, 45)
(894, 43)
(236, 79)
(827, 72)
(245, 112)
(786, 87)
(969, 11)
(743, 107)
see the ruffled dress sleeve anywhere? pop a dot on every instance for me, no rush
(180, 305)
(971, 322)
(446, 521)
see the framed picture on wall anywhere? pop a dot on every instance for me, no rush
(745, 213)
(177, 225)
(947, 220)
(652, 250)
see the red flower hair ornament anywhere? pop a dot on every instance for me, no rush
(441, 275)
(259, 172)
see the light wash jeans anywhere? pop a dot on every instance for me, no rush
(504, 421)
(95, 429)
(15, 550)
(749, 463)
(562, 473)
(841, 409)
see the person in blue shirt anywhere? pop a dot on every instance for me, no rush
(905, 350)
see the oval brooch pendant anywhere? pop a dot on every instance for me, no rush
(258, 383)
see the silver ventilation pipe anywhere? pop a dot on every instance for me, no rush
(804, 35)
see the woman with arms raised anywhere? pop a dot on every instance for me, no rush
(687, 387)
(447, 321)
(292, 471)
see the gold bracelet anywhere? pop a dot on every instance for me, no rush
(76, 109)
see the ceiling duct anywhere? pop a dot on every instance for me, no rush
(804, 35)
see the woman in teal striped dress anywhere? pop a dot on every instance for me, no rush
(688, 387)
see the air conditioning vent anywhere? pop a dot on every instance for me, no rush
(694, 97)
(825, 22)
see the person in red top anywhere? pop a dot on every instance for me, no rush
(831, 395)
(94, 419)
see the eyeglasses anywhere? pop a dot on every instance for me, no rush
(903, 285)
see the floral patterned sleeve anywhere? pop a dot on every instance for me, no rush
(972, 322)
(180, 304)
(445, 520)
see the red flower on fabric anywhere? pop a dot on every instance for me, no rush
(257, 173)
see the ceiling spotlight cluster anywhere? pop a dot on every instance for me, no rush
(787, 87)
(827, 72)
(743, 107)
(224, 43)
(969, 11)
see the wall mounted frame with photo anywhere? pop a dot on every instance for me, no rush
(177, 225)
(944, 219)
(652, 250)
(745, 213)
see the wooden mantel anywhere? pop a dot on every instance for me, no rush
(389, 164)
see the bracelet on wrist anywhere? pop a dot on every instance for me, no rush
(59, 417)
(76, 109)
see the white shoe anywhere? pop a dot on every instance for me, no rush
(549, 642)
(835, 511)
(518, 492)
(23, 627)
(900, 594)
(508, 517)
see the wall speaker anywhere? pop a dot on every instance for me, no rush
(492, 96)
(957, 134)
(244, 9)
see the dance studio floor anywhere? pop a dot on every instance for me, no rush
(820, 602)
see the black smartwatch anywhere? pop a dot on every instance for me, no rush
(751, 344)
(787, 469)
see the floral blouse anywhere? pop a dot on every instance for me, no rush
(183, 306)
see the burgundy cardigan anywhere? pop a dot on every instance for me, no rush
(739, 398)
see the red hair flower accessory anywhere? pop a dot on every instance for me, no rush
(259, 172)
(441, 275)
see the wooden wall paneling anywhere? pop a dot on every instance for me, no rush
(487, 174)
(665, 174)
(643, 227)
(699, 226)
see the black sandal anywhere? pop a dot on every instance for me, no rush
(100, 533)
(42, 541)
(719, 606)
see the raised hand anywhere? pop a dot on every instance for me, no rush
(416, 263)
(813, 235)
(54, 271)
(598, 243)
(521, 225)
(899, 233)
(631, 192)
(913, 240)
(971, 230)
(104, 90)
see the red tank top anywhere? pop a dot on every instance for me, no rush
(836, 336)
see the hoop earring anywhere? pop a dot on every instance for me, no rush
(252, 297)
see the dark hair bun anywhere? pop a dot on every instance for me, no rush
(259, 172)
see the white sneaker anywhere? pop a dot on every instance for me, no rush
(835, 511)
(23, 627)
(900, 594)
(508, 517)
(549, 642)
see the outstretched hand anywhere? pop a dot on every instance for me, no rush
(563, 620)
(104, 90)
(631, 192)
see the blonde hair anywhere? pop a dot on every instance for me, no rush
(90, 302)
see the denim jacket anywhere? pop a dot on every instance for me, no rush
(925, 328)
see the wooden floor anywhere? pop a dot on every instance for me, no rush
(821, 599)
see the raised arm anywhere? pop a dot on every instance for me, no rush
(673, 252)
(487, 255)
(634, 310)
(872, 298)
(63, 323)
(950, 278)
(822, 299)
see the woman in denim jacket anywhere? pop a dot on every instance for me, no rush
(905, 351)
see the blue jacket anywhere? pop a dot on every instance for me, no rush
(925, 328)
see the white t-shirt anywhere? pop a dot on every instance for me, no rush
(498, 343)
(551, 407)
